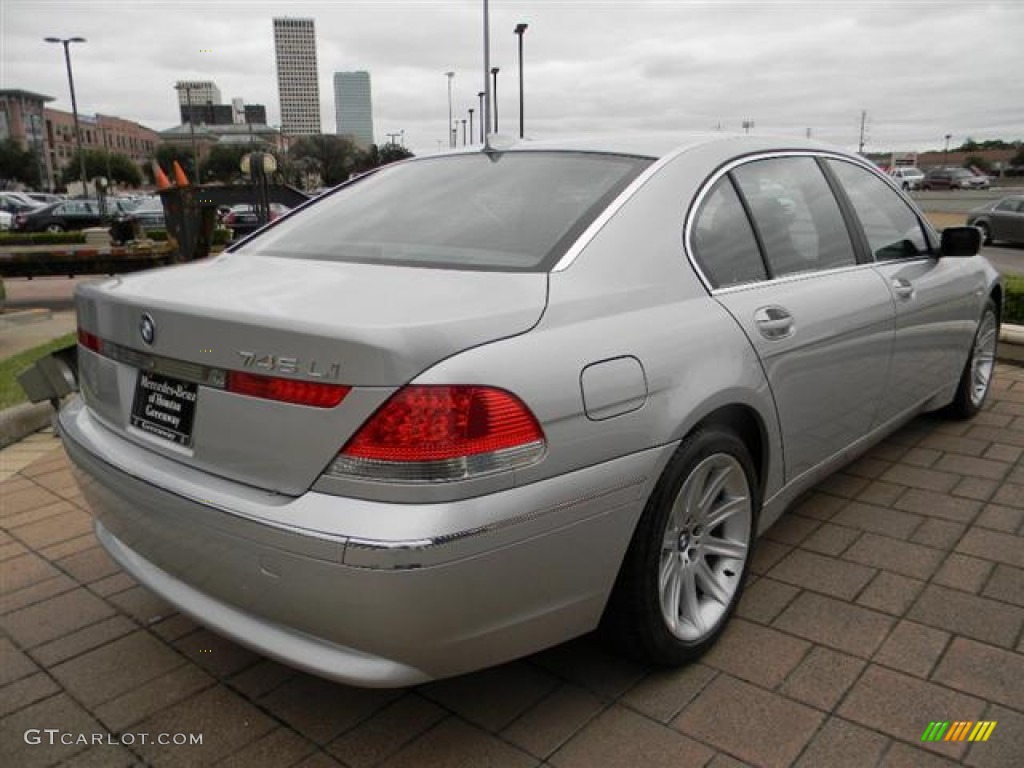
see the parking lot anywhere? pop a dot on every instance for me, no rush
(889, 598)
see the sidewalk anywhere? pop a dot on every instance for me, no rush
(26, 329)
(889, 598)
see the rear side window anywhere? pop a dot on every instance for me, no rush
(891, 226)
(796, 215)
(723, 241)
(513, 211)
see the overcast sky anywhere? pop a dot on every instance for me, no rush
(920, 69)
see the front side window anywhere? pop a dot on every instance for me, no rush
(512, 211)
(723, 241)
(797, 218)
(891, 226)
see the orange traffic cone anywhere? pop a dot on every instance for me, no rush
(162, 182)
(179, 175)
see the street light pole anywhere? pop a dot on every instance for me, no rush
(472, 135)
(945, 152)
(519, 30)
(494, 75)
(450, 75)
(483, 119)
(66, 42)
(463, 131)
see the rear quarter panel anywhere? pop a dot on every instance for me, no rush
(630, 292)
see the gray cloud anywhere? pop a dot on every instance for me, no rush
(920, 69)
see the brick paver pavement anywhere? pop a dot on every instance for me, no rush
(891, 596)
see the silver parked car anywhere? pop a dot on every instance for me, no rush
(1000, 220)
(908, 177)
(472, 405)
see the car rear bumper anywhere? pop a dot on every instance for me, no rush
(380, 611)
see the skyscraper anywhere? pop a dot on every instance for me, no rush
(353, 106)
(295, 48)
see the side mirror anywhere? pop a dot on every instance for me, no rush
(960, 241)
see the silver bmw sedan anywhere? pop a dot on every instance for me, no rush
(472, 405)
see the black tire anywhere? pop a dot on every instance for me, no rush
(976, 378)
(670, 565)
(986, 232)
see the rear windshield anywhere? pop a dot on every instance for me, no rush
(514, 211)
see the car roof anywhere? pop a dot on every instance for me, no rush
(654, 145)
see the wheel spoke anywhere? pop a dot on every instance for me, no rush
(713, 545)
(690, 605)
(711, 585)
(724, 511)
(714, 487)
(670, 593)
(693, 493)
(668, 570)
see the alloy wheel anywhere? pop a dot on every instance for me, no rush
(704, 547)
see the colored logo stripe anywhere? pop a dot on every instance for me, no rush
(982, 731)
(958, 730)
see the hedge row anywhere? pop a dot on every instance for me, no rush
(220, 236)
(42, 238)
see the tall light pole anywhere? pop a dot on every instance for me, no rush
(472, 136)
(494, 75)
(66, 42)
(519, 30)
(450, 75)
(463, 131)
(483, 116)
(191, 124)
(945, 152)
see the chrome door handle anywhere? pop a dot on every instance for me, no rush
(902, 288)
(774, 323)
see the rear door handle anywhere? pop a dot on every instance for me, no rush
(774, 323)
(903, 289)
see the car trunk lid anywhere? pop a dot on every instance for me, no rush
(369, 327)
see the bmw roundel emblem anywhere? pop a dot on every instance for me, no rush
(147, 328)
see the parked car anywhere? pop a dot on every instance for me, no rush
(475, 404)
(148, 212)
(908, 177)
(44, 198)
(242, 219)
(1000, 220)
(67, 215)
(15, 203)
(954, 178)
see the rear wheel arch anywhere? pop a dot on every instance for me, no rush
(748, 426)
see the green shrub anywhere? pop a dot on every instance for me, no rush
(1013, 300)
(42, 238)
(220, 236)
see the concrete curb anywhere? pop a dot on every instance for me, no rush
(18, 317)
(20, 421)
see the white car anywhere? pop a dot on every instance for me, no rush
(908, 177)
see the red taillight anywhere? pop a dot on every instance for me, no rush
(438, 423)
(310, 393)
(90, 341)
